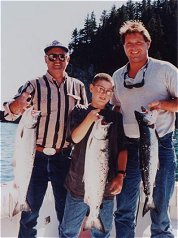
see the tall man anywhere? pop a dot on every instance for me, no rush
(152, 83)
(54, 94)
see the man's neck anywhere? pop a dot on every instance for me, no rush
(134, 67)
(58, 76)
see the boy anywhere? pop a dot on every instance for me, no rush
(82, 121)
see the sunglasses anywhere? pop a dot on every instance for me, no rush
(136, 85)
(101, 89)
(54, 57)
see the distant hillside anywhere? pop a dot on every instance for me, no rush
(98, 47)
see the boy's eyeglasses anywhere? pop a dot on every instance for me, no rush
(136, 85)
(101, 89)
(54, 57)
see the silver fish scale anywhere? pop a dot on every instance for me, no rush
(148, 154)
(96, 170)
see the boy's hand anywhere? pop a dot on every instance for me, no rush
(93, 115)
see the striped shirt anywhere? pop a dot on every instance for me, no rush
(55, 103)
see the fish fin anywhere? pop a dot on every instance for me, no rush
(93, 223)
(47, 220)
(147, 206)
(90, 142)
(21, 133)
(21, 207)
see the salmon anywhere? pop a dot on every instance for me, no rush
(23, 159)
(95, 172)
(148, 154)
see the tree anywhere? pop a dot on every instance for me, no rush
(100, 48)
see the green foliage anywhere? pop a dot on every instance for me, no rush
(99, 46)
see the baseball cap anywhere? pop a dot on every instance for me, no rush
(56, 44)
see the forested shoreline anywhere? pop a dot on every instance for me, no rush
(97, 46)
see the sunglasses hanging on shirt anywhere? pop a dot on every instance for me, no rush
(136, 85)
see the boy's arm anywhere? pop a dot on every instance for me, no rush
(117, 182)
(79, 132)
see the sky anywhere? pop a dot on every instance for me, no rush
(28, 26)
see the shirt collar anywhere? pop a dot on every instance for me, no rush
(51, 78)
(125, 68)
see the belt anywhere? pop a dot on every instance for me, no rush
(133, 140)
(47, 150)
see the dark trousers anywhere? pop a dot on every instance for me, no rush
(46, 168)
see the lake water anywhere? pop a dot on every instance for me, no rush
(7, 143)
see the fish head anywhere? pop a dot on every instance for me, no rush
(146, 117)
(139, 117)
(30, 117)
(150, 117)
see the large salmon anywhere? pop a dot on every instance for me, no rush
(148, 150)
(24, 156)
(95, 172)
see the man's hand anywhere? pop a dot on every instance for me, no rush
(21, 103)
(156, 105)
(116, 184)
(170, 105)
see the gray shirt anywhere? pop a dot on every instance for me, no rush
(161, 83)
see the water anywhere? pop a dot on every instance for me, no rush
(7, 143)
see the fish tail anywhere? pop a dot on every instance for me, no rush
(21, 207)
(147, 206)
(93, 223)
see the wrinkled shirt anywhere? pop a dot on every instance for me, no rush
(55, 103)
(161, 83)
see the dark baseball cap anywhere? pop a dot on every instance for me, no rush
(56, 44)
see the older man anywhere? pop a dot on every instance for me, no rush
(54, 94)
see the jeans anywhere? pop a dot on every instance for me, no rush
(75, 212)
(127, 200)
(165, 182)
(46, 168)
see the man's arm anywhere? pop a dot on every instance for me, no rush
(19, 104)
(15, 107)
(167, 105)
(117, 182)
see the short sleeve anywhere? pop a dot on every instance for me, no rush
(77, 116)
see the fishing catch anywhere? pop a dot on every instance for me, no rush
(148, 150)
(24, 154)
(23, 159)
(95, 172)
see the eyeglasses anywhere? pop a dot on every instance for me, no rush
(54, 57)
(101, 89)
(136, 85)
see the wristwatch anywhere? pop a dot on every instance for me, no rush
(121, 172)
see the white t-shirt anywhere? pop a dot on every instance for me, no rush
(161, 83)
